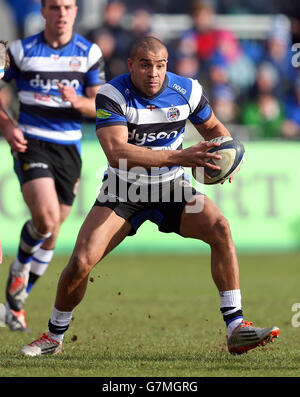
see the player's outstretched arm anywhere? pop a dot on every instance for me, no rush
(113, 140)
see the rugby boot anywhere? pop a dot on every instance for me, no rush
(16, 320)
(42, 345)
(246, 337)
(16, 287)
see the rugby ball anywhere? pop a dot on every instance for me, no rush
(232, 152)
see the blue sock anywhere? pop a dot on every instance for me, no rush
(30, 242)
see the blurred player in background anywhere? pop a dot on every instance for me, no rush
(58, 73)
(141, 119)
(4, 65)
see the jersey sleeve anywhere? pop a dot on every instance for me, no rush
(199, 103)
(110, 107)
(95, 74)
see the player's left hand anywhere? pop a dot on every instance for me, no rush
(68, 94)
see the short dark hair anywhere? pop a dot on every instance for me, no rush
(148, 43)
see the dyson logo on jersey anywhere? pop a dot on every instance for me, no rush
(141, 139)
(51, 84)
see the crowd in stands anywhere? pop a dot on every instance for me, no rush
(249, 82)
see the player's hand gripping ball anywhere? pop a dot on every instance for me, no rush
(4, 58)
(232, 152)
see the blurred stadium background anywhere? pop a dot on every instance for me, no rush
(244, 53)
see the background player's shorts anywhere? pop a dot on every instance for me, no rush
(164, 210)
(47, 159)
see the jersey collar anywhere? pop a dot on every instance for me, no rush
(55, 48)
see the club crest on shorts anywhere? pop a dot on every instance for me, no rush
(173, 114)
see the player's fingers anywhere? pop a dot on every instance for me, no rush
(61, 88)
(206, 175)
(20, 139)
(208, 144)
(212, 166)
(19, 144)
(205, 157)
(230, 180)
(210, 155)
(20, 148)
(17, 148)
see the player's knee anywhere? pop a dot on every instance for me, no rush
(46, 223)
(81, 265)
(220, 232)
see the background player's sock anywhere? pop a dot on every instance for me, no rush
(58, 324)
(39, 264)
(231, 308)
(30, 242)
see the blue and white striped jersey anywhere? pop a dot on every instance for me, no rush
(37, 68)
(156, 122)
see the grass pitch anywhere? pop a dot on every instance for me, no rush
(158, 316)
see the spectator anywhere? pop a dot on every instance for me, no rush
(279, 54)
(265, 115)
(27, 15)
(291, 126)
(221, 56)
(113, 38)
(141, 23)
(8, 30)
(114, 60)
(267, 80)
(223, 100)
(188, 66)
(218, 72)
(240, 68)
(205, 35)
(264, 112)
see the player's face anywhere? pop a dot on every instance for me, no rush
(60, 16)
(148, 70)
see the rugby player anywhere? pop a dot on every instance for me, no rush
(58, 74)
(141, 118)
(4, 65)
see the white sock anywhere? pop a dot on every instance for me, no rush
(232, 326)
(40, 261)
(18, 267)
(59, 321)
(231, 308)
